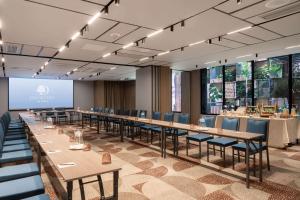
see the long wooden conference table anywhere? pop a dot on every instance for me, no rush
(239, 135)
(72, 165)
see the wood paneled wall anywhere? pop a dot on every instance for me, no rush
(165, 92)
(186, 92)
(115, 94)
(195, 96)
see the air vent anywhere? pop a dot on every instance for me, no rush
(286, 10)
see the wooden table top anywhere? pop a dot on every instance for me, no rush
(88, 163)
(189, 127)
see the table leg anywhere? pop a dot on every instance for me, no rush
(260, 159)
(161, 142)
(121, 130)
(81, 120)
(165, 142)
(98, 128)
(70, 189)
(101, 188)
(116, 185)
(247, 163)
(90, 120)
(81, 186)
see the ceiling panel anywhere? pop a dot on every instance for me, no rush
(228, 43)
(22, 64)
(116, 32)
(285, 26)
(90, 50)
(232, 5)
(47, 51)
(30, 50)
(145, 11)
(243, 38)
(119, 59)
(140, 52)
(34, 24)
(98, 28)
(261, 33)
(12, 48)
(74, 5)
(138, 34)
(257, 9)
(196, 29)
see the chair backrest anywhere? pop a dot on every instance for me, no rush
(134, 113)
(143, 114)
(61, 113)
(183, 118)
(126, 112)
(169, 117)
(258, 126)
(106, 110)
(230, 124)
(210, 121)
(111, 111)
(156, 115)
(118, 112)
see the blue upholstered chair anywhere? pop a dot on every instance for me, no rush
(223, 142)
(18, 171)
(168, 117)
(201, 137)
(254, 126)
(21, 188)
(146, 127)
(38, 197)
(182, 119)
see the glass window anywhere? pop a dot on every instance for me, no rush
(271, 82)
(176, 91)
(296, 82)
(214, 88)
(237, 77)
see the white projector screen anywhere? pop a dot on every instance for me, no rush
(40, 93)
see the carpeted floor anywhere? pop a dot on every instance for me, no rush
(145, 175)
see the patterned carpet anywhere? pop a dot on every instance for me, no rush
(145, 175)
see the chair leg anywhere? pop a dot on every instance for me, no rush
(177, 145)
(268, 159)
(187, 147)
(147, 132)
(232, 158)
(200, 150)
(239, 157)
(221, 152)
(207, 152)
(151, 137)
(223, 156)
(214, 150)
(254, 165)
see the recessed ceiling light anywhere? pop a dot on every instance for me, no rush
(62, 48)
(1, 42)
(106, 55)
(239, 30)
(244, 56)
(195, 43)
(163, 53)
(3, 59)
(276, 3)
(210, 62)
(292, 47)
(128, 45)
(154, 33)
(143, 59)
(113, 68)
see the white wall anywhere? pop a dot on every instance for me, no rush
(143, 89)
(83, 94)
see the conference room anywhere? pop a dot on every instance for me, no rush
(149, 99)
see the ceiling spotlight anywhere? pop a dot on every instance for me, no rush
(163, 53)
(292, 47)
(117, 2)
(42, 67)
(113, 68)
(196, 66)
(239, 2)
(1, 42)
(76, 69)
(137, 43)
(220, 61)
(225, 60)
(46, 63)
(239, 30)
(143, 40)
(220, 38)
(116, 52)
(128, 45)
(106, 10)
(62, 48)
(172, 28)
(209, 41)
(106, 55)
(154, 33)
(182, 49)
(143, 59)
(68, 73)
(182, 23)
(256, 55)
(3, 59)
(195, 43)
(94, 18)
(75, 35)
(37, 73)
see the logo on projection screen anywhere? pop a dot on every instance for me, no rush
(42, 90)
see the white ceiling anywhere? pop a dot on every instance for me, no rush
(40, 27)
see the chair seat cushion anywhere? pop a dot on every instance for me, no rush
(14, 142)
(18, 171)
(21, 188)
(24, 155)
(156, 129)
(39, 197)
(15, 137)
(222, 141)
(181, 132)
(15, 132)
(201, 137)
(254, 147)
(146, 127)
(17, 147)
